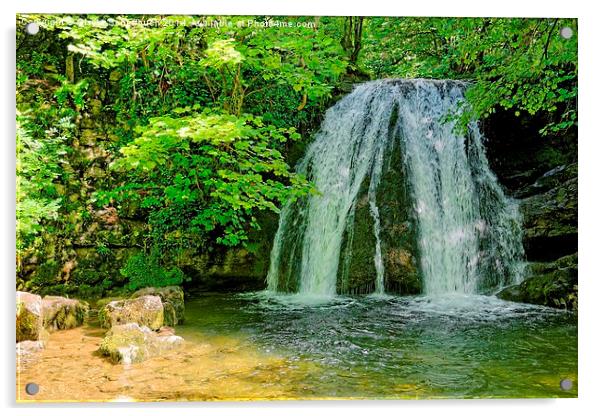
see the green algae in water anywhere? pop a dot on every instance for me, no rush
(455, 346)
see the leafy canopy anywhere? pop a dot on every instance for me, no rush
(191, 156)
(516, 64)
(202, 172)
(199, 120)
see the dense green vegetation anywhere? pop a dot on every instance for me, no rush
(203, 118)
(521, 65)
(143, 270)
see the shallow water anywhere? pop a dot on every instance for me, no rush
(255, 346)
(392, 347)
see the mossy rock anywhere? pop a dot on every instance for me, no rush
(101, 303)
(29, 321)
(172, 298)
(550, 284)
(399, 231)
(553, 178)
(46, 274)
(144, 310)
(132, 343)
(398, 235)
(63, 313)
(357, 271)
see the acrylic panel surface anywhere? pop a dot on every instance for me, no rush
(295, 208)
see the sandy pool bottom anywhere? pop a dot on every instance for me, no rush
(71, 369)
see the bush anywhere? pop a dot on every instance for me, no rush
(143, 270)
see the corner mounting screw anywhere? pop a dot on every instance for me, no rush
(32, 389)
(566, 32)
(32, 28)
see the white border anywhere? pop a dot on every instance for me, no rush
(590, 139)
(506, 8)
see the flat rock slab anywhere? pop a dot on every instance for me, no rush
(133, 343)
(26, 351)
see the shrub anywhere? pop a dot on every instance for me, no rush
(143, 270)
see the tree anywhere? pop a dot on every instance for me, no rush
(203, 172)
(352, 37)
(520, 65)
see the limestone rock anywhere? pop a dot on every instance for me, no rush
(166, 330)
(550, 221)
(172, 298)
(398, 235)
(29, 324)
(63, 313)
(25, 348)
(132, 343)
(27, 351)
(549, 180)
(144, 310)
(550, 284)
(102, 302)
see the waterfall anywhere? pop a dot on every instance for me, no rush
(468, 237)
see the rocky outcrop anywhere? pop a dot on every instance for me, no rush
(541, 173)
(63, 313)
(550, 284)
(549, 209)
(172, 298)
(399, 230)
(518, 153)
(230, 269)
(144, 311)
(550, 214)
(132, 343)
(85, 262)
(29, 318)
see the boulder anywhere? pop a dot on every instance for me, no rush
(144, 310)
(132, 343)
(29, 323)
(102, 302)
(550, 284)
(172, 298)
(63, 313)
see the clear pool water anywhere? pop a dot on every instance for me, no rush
(397, 347)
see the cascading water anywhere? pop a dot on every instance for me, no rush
(468, 237)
